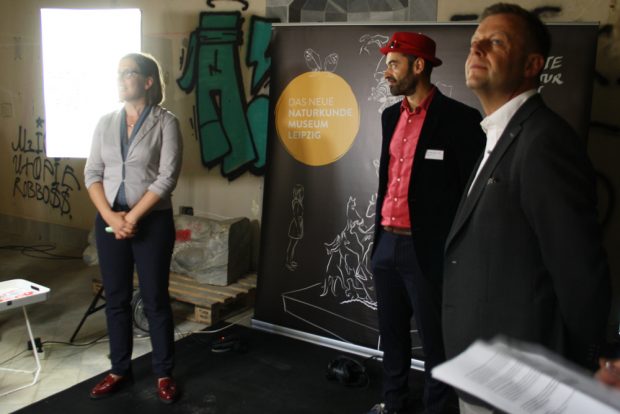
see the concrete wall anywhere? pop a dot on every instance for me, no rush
(64, 202)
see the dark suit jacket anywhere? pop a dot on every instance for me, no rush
(524, 255)
(436, 185)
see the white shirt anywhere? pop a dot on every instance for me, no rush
(495, 124)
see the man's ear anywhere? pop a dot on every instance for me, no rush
(418, 65)
(534, 65)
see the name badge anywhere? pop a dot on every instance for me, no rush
(432, 154)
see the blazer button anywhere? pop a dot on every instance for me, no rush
(453, 262)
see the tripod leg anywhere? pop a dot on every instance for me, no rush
(92, 308)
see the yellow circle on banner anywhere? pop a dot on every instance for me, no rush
(317, 118)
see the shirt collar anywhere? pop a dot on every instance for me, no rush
(499, 119)
(423, 106)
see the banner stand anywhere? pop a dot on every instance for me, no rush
(327, 92)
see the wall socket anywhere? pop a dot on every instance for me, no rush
(38, 345)
(187, 210)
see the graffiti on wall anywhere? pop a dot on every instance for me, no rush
(231, 129)
(45, 180)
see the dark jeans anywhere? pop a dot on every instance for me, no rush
(402, 290)
(151, 251)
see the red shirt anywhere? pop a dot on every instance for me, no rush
(395, 210)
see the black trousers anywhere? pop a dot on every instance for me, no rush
(403, 291)
(150, 251)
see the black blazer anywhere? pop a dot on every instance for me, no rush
(524, 256)
(436, 185)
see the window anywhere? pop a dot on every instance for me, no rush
(81, 50)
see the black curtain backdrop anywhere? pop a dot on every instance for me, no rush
(318, 221)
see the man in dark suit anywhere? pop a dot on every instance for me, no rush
(430, 145)
(524, 256)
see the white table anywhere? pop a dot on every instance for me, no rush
(19, 293)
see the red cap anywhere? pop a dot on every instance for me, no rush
(415, 44)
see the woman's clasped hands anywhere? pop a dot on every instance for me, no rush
(123, 225)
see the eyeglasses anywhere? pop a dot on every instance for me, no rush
(128, 74)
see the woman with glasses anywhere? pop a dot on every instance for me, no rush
(133, 167)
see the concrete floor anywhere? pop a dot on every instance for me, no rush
(63, 365)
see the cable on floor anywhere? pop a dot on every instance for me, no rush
(94, 341)
(230, 324)
(14, 356)
(39, 251)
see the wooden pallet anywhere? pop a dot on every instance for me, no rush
(212, 303)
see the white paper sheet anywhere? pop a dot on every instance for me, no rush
(526, 379)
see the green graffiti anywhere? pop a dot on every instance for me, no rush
(258, 113)
(231, 131)
(260, 36)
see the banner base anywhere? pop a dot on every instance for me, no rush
(327, 342)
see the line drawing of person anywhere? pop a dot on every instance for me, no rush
(347, 268)
(296, 227)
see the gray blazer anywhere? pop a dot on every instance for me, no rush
(153, 160)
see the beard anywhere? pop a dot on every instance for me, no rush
(405, 86)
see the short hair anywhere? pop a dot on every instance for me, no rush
(149, 67)
(537, 35)
(428, 66)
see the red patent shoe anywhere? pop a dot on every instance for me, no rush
(109, 385)
(167, 390)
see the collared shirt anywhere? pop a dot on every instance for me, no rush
(495, 124)
(395, 209)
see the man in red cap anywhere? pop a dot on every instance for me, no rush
(430, 145)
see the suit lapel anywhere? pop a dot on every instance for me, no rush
(116, 134)
(149, 123)
(512, 131)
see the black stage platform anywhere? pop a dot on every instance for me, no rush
(268, 374)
